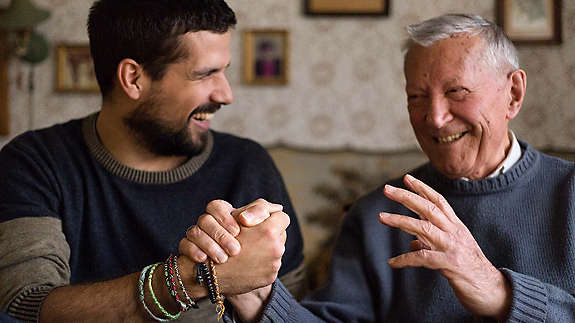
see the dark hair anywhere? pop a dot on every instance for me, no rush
(148, 31)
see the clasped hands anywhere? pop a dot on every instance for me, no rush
(246, 244)
(445, 244)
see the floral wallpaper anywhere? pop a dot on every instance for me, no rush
(346, 81)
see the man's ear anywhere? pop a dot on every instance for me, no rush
(518, 80)
(131, 78)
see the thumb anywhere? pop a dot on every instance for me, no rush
(252, 215)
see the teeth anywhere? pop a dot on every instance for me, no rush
(203, 116)
(451, 138)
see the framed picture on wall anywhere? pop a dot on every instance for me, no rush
(530, 21)
(266, 57)
(75, 69)
(347, 7)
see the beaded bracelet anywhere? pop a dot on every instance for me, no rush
(201, 272)
(220, 308)
(160, 307)
(191, 302)
(171, 284)
(141, 294)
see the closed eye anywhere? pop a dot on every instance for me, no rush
(457, 93)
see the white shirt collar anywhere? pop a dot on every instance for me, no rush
(512, 157)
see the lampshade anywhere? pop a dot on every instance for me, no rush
(37, 49)
(22, 14)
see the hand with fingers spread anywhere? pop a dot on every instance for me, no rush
(444, 243)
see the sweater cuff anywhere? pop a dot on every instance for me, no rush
(529, 302)
(26, 306)
(278, 307)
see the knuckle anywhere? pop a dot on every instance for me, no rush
(432, 208)
(204, 220)
(269, 232)
(260, 201)
(219, 234)
(276, 265)
(427, 227)
(194, 233)
(423, 253)
(213, 204)
(278, 251)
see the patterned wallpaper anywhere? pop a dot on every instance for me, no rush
(346, 84)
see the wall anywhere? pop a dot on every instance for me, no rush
(346, 88)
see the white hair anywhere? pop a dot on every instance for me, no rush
(501, 50)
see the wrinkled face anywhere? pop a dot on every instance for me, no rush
(458, 106)
(174, 117)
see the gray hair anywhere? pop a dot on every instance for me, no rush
(501, 49)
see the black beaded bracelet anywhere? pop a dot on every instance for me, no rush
(201, 271)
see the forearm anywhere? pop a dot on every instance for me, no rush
(112, 300)
(117, 299)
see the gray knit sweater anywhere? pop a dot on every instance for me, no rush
(524, 221)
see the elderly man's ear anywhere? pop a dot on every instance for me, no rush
(518, 81)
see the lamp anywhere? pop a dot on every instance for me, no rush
(19, 20)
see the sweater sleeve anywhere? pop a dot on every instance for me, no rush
(34, 254)
(345, 298)
(535, 301)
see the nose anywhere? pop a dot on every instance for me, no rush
(438, 113)
(223, 92)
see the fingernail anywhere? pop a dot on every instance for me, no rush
(221, 257)
(233, 248)
(389, 188)
(383, 215)
(248, 217)
(409, 177)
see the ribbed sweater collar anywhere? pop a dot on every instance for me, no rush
(525, 167)
(103, 156)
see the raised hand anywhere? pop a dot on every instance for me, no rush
(444, 243)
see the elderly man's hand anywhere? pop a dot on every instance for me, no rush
(444, 243)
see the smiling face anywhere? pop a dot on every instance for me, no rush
(174, 116)
(459, 106)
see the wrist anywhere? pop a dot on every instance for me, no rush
(249, 306)
(504, 299)
(189, 277)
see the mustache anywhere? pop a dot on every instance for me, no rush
(205, 108)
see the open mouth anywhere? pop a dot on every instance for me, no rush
(205, 112)
(202, 116)
(451, 138)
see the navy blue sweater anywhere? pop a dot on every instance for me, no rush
(116, 220)
(523, 220)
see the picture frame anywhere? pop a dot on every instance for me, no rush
(75, 69)
(531, 22)
(266, 58)
(347, 7)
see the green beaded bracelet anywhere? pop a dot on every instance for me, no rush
(162, 309)
(141, 294)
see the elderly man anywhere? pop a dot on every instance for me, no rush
(494, 230)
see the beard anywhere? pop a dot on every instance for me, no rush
(162, 137)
